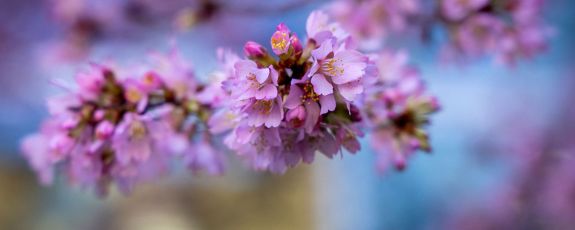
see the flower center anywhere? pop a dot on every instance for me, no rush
(405, 122)
(264, 106)
(332, 67)
(279, 42)
(137, 130)
(309, 94)
(133, 95)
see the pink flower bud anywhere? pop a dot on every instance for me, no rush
(283, 28)
(296, 116)
(99, 115)
(254, 50)
(399, 162)
(104, 130)
(296, 44)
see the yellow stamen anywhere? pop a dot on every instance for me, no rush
(309, 94)
(279, 42)
(133, 95)
(332, 67)
(264, 106)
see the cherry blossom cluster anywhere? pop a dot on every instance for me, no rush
(123, 127)
(289, 107)
(272, 109)
(396, 108)
(508, 30)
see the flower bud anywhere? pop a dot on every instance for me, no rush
(253, 50)
(104, 130)
(296, 44)
(399, 162)
(99, 115)
(296, 116)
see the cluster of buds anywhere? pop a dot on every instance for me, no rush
(125, 128)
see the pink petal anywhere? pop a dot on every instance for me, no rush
(327, 103)
(328, 145)
(269, 91)
(353, 64)
(276, 116)
(320, 85)
(273, 75)
(244, 67)
(323, 50)
(312, 110)
(262, 74)
(350, 90)
(312, 70)
(294, 97)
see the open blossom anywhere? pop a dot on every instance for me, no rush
(396, 109)
(283, 39)
(119, 130)
(337, 71)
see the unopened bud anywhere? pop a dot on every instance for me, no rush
(253, 50)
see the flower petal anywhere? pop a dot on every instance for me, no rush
(276, 116)
(327, 103)
(262, 74)
(353, 65)
(320, 85)
(294, 97)
(350, 90)
(323, 50)
(269, 91)
(312, 110)
(244, 67)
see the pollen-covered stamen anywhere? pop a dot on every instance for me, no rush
(280, 42)
(264, 106)
(137, 130)
(309, 94)
(332, 67)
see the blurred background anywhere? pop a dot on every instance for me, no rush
(504, 141)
